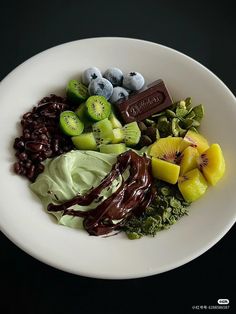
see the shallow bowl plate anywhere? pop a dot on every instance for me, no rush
(22, 218)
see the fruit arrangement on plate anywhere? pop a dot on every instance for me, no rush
(119, 151)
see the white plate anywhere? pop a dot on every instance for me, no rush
(22, 218)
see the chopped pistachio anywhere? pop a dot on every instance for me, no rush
(175, 203)
(165, 191)
(133, 235)
(165, 210)
(166, 215)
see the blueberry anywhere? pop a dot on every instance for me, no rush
(101, 87)
(114, 75)
(119, 93)
(133, 81)
(90, 74)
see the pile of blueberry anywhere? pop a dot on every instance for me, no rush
(113, 84)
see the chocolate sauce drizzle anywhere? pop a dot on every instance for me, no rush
(132, 197)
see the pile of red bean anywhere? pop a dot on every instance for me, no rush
(41, 137)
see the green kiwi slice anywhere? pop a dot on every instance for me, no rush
(132, 133)
(81, 113)
(103, 132)
(98, 108)
(85, 141)
(113, 148)
(114, 121)
(76, 92)
(118, 135)
(70, 123)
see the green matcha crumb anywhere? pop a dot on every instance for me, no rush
(166, 209)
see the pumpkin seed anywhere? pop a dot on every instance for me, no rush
(170, 113)
(188, 102)
(150, 122)
(188, 123)
(162, 119)
(163, 124)
(193, 129)
(177, 119)
(191, 114)
(162, 113)
(199, 112)
(157, 134)
(181, 105)
(182, 132)
(181, 112)
(174, 127)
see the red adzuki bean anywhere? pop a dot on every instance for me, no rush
(41, 137)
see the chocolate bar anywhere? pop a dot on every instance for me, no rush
(142, 105)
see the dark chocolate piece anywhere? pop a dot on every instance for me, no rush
(142, 105)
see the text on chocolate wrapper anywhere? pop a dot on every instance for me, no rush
(147, 103)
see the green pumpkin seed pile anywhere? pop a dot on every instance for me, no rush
(177, 119)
